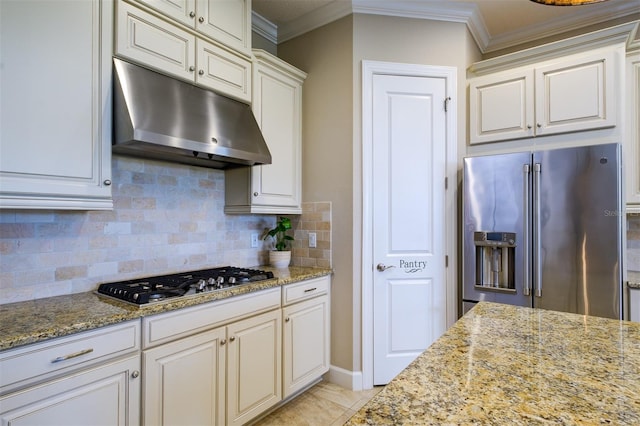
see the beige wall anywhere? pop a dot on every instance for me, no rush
(325, 54)
(332, 57)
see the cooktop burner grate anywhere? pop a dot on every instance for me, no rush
(141, 291)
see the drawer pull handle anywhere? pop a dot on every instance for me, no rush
(73, 355)
(311, 289)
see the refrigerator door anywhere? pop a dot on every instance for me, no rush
(496, 243)
(578, 251)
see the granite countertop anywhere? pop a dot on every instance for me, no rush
(41, 319)
(501, 364)
(633, 279)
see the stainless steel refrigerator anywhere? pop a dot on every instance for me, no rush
(544, 229)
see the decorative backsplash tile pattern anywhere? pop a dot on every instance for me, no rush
(316, 217)
(167, 218)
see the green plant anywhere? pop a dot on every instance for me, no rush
(279, 234)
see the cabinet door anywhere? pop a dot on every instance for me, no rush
(634, 305)
(223, 71)
(632, 133)
(226, 21)
(184, 381)
(107, 395)
(501, 106)
(55, 105)
(305, 343)
(183, 11)
(576, 94)
(254, 366)
(277, 106)
(149, 40)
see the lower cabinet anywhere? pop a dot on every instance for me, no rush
(634, 304)
(306, 332)
(106, 395)
(89, 378)
(225, 375)
(254, 360)
(184, 381)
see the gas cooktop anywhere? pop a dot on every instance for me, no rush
(141, 291)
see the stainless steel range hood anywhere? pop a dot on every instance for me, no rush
(159, 117)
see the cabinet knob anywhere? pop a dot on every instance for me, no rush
(201, 72)
(135, 374)
(539, 125)
(287, 319)
(255, 194)
(232, 338)
(192, 68)
(223, 342)
(106, 182)
(192, 14)
(201, 19)
(529, 126)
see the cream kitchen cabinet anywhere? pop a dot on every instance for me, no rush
(184, 381)
(153, 41)
(277, 105)
(634, 304)
(573, 93)
(216, 363)
(306, 333)
(632, 134)
(254, 363)
(227, 21)
(85, 379)
(55, 113)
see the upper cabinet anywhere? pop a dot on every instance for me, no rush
(55, 113)
(277, 105)
(573, 93)
(632, 136)
(204, 42)
(227, 21)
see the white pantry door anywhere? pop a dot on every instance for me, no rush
(408, 190)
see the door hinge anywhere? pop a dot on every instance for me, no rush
(446, 103)
(446, 183)
(446, 261)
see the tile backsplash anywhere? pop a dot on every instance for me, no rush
(166, 218)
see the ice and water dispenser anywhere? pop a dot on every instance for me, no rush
(495, 259)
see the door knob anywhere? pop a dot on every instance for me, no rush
(382, 267)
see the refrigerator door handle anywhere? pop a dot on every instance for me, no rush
(537, 255)
(526, 169)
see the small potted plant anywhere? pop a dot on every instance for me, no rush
(280, 257)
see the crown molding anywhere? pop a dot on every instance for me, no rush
(316, 19)
(557, 26)
(440, 10)
(264, 27)
(620, 34)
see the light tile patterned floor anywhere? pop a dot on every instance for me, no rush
(325, 404)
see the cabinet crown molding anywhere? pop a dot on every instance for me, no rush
(624, 33)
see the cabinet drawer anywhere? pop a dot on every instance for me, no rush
(221, 70)
(305, 290)
(166, 327)
(39, 361)
(149, 40)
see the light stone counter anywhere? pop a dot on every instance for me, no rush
(507, 365)
(37, 320)
(633, 279)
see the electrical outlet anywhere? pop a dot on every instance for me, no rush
(254, 240)
(312, 239)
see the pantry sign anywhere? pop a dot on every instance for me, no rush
(412, 266)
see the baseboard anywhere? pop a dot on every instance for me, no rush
(345, 378)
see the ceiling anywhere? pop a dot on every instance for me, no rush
(494, 24)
